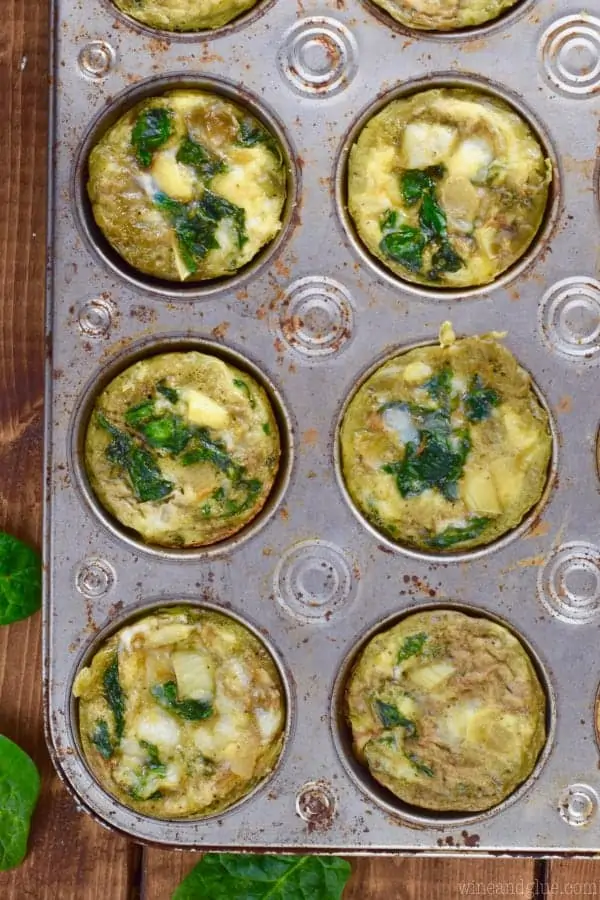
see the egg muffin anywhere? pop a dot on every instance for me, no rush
(187, 186)
(448, 187)
(444, 448)
(180, 713)
(184, 15)
(447, 711)
(444, 15)
(182, 448)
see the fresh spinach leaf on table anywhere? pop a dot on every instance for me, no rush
(233, 876)
(20, 580)
(19, 792)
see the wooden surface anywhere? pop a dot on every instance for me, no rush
(72, 858)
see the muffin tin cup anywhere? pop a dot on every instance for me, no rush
(243, 20)
(542, 239)
(412, 815)
(172, 344)
(468, 33)
(460, 556)
(310, 318)
(99, 245)
(88, 790)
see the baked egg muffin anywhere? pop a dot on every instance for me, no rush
(187, 186)
(182, 448)
(180, 713)
(446, 711)
(444, 15)
(448, 187)
(444, 448)
(184, 15)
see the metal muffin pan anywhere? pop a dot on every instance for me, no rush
(312, 316)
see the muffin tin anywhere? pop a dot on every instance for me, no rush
(310, 317)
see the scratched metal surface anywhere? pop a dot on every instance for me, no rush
(313, 579)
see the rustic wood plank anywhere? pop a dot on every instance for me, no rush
(71, 857)
(378, 878)
(573, 878)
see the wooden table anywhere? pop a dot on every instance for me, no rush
(71, 856)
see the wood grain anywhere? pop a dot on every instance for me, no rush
(573, 878)
(71, 857)
(378, 878)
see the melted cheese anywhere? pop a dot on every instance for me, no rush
(173, 178)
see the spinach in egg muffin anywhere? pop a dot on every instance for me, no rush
(447, 711)
(448, 187)
(445, 448)
(183, 448)
(444, 15)
(180, 713)
(187, 186)
(184, 15)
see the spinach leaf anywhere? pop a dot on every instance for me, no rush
(114, 696)
(266, 427)
(195, 233)
(251, 488)
(145, 475)
(139, 413)
(193, 710)
(445, 259)
(244, 387)
(215, 208)
(419, 185)
(206, 164)
(166, 433)
(20, 580)
(405, 246)
(415, 183)
(205, 449)
(412, 646)
(237, 876)
(170, 393)
(391, 717)
(479, 400)
(432, 219)
(154, 764)
(100, 738)
(195, 224)
(419, 766)
(439, 386)
(19, 792)
(251, 133)
(437, 462)
(453, 535)
(153, 128)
